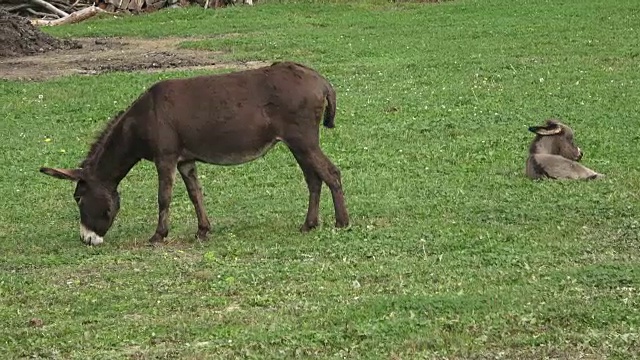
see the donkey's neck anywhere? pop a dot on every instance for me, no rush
(113, 155)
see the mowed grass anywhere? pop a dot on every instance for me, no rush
(452, 252)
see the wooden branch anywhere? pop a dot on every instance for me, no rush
(74, 17)
(73, 5)
(64, 5)
(14, 8)
(50, 7)
(43, 15)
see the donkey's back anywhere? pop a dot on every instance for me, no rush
(234, 118)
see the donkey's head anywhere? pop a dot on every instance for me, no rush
(98, 203)
(555, 138)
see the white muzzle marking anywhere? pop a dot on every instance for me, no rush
(89, 237)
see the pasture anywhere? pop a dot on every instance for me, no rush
(451, 253)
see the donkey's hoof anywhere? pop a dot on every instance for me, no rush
(306, 227)
(596, 176)
(342, 224)
(156, 239)
(202, 234)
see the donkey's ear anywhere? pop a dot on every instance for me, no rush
(65, 174)
(550, 128)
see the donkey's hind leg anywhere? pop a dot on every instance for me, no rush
(314, 184)
(330, 174)
(189, 175)
(313, 157)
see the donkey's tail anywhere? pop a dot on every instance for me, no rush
(330, 110)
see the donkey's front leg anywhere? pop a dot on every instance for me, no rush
(166, 175)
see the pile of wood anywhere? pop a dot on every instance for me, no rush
(56, 12)
(136, 6)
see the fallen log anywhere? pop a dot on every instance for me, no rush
(74, 17)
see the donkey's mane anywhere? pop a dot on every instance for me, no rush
(99, 144)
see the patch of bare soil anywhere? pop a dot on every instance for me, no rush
(100, 55)
(19, 37)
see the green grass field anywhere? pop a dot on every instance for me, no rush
(452, 252)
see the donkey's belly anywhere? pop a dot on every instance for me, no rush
(230, 154)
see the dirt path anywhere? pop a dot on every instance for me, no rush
(99, 55)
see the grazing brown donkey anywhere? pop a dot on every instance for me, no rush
(219, 119)
(553, 154)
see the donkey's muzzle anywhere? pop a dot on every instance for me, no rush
(89, 237)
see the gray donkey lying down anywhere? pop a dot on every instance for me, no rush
(554, 155)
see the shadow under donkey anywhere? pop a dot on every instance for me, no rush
(223, 119)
